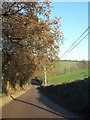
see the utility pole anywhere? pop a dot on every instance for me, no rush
(45, 76)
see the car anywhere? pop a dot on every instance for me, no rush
(36, 82)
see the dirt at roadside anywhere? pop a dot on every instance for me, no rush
(7, 99)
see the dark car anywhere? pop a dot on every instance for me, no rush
(36, 82)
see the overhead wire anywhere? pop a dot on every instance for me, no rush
(76, 41)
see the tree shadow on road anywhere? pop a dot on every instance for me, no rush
(42, 108)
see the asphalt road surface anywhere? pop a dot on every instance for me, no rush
(33, 104)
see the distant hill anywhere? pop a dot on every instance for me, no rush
(67, 66)
(63, 67)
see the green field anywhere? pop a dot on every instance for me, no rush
(68, 77)
(66, 71)
(65, 67)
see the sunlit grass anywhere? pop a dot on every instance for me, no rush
(69, 77)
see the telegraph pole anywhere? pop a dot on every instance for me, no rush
(45, 76)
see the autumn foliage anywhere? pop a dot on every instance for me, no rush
(31, 40)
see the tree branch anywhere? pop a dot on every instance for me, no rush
(6, 13)
(13, 40)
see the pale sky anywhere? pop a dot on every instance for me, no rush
(74, 21)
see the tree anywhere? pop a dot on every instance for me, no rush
(30, 39)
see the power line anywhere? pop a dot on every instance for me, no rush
(76, 41)
(76, 44)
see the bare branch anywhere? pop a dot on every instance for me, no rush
(6, 13)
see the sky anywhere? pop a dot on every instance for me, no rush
(74, 21)
(70, 0)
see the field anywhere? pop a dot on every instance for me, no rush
(68, 77)
(65, 69)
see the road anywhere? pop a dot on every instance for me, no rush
(33, 104)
